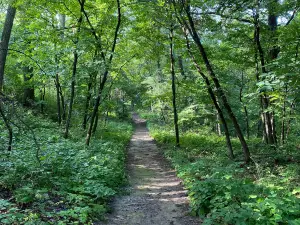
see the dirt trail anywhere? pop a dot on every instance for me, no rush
(156, 194)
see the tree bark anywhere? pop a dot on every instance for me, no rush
(269, 126)
(92, 78)
(57, 85)
(59, 97)
(218, 125)
(87, 102)
(180, 63)
(105, 75)
(213, 98)
(8, 24)
(79, 22)
(42, 98)
(8, 126)
(244, 106)
(29, 89)
(172, 60)
(193, 32)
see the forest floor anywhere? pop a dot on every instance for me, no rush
(156, 195)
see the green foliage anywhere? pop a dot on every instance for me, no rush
(63, 181)
(226, 192)
(71, 185)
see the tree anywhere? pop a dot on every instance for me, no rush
(8, 25)
(5, 37)
(107, 65)
(172, 60)
(187, 21)
(75, 53)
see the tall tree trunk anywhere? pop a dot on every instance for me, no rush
(218, 125)
(193, 32)
(57, 85)
(87, 102)
(59, 97)
(184, 76)
(29, 89)
(181, 67)
(8, 24)
(269, 125)
(63, 104)
(273, 52)
(92, 79)
(283, 123)
(159, 72)
(62, 23)
(261, 128)
(244, 106)
(8, 126)
(68, 122)
(42, 98)
(96, 123)
(172, 60)
(213, 98)
(94, 117)
(105, 75)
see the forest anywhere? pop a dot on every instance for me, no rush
(217, 82)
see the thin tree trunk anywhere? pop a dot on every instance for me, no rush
(63, 104)
(283, 123)
(183, 74)
(274, 127)
(105, 75)
(68, 122)
(273, 52)
(159, 72)
(180, 63)
(8, 24)
(218, 126)
(213, 98)
(92, 78)
(196, 38)
(172, 59)
(96, 123)
(106, 118)
(62, 22)
(244, 106)
(269, 124)
(58, 99)
(29, 89)
(87, 102)
(123, 104)
(261, 124)
(42, 98)
(8, 127)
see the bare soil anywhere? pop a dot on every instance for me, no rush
(157, 196)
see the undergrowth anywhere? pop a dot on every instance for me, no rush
(225, 192)
(57, 180)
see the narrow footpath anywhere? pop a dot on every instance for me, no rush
(156, 194)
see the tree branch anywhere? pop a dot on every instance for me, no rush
(225, 16)
(292, 17)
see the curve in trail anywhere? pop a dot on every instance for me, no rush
(156, 194)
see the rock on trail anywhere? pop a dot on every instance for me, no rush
(156, 194)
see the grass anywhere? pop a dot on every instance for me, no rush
(226, 192)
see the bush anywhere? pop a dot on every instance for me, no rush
(226, 192)
(69, 182)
